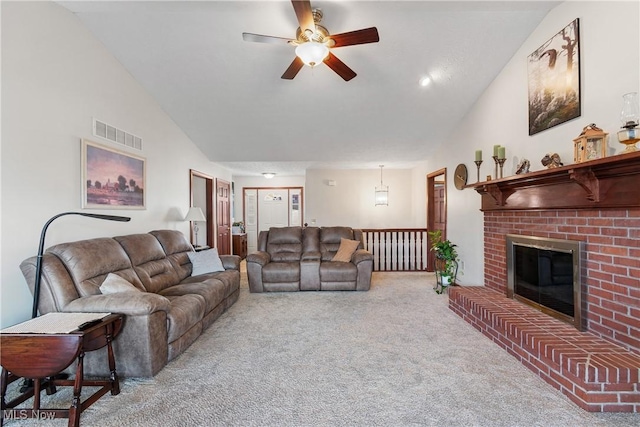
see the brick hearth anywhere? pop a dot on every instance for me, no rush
(586, 366)
(595, 374)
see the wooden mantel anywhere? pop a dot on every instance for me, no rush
(611, 182)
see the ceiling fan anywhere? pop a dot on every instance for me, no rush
(313, 42)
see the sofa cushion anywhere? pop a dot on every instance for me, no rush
(334, 271)
(185, 312)
(204, 262)
(279, 272)
(89, 261)
(285, 244)
(149, 261)
(211, 290)
(230, 278)
(346, 250)
(114, 284)
(330, 240)
(176, 247)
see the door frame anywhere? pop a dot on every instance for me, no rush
(431, 184)
(211, 241)
(275, 188)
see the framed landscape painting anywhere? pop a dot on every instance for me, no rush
(554, 80)
(112, 179)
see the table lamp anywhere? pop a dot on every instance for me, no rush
(195, 214)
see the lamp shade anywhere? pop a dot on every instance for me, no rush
(382, 195)
(195, 214)
(312, 53)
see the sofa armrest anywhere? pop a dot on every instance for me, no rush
(311, 256)
(128, 303)
(361, 255)
(262, 258)
(255, 262)
(230, 262)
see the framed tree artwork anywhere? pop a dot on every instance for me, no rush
(554, 80)
(112, 179)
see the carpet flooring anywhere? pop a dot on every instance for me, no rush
(393, 356)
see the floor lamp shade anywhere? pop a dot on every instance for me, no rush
(36, 286)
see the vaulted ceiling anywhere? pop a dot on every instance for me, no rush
(227, 95)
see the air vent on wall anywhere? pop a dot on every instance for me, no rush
(116, 135)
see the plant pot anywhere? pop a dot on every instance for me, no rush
(446, 281)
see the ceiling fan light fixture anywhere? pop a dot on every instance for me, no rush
(312, 53)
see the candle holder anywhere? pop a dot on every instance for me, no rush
(495, 159)
(501, 163)
(478, 163)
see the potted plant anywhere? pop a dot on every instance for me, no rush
(446, 261)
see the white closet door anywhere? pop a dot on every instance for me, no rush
(273, 208)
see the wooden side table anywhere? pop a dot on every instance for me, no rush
(40, 356)
(240, 245)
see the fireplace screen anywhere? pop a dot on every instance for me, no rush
(545, 273)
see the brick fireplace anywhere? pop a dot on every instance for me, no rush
(597, 203)
(612, 250)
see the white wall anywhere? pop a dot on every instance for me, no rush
(610, 64)
(351, 201)
(55, 77)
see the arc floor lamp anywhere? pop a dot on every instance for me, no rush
(36, 286)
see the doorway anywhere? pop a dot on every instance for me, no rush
(201, 196)
(436, 208)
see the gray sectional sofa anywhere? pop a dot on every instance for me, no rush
(166, 312)
(302, 259)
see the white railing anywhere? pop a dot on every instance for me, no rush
(397, 249)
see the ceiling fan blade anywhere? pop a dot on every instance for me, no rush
(293, 69)
(304, 14)
(250, 37)
(366, 35)
(339, 67)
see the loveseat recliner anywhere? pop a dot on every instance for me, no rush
(164, 314)
(302, 259)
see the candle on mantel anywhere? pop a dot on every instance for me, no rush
(478, 155)
(501, 153)
(495, 150)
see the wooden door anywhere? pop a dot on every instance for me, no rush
(439, 213)
(436, 208)
(223, 216)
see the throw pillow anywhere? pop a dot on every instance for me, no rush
(346, 250)
(205, 262)
(114, 284)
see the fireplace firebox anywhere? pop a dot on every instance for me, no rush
(546, 274)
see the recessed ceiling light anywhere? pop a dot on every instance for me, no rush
(424, 81)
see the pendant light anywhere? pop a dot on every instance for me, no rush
(382, 192)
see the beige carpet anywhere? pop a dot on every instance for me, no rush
(393, 356)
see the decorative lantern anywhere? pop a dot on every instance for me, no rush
(630, 116)
(590, 145)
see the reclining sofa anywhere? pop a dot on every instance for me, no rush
(166, 312)
(302, 259)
